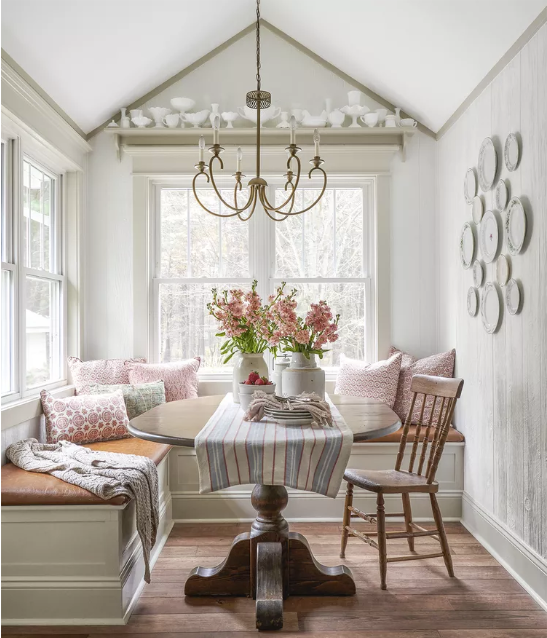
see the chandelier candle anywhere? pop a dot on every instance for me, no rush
(258, 100)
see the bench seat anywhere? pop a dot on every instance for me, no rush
(395, 437)
(20, 487)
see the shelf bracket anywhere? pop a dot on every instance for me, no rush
(118, 147)
(403, 148)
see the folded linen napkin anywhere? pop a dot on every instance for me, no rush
(318, 408)
(105, 474)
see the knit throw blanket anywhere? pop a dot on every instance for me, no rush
(105, 474)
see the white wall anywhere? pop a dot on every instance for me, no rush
(504, 404)
(294, 79)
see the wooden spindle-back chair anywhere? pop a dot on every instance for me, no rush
(435, 398)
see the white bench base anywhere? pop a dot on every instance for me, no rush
(76, 565)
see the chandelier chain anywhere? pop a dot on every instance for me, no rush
(258, 46)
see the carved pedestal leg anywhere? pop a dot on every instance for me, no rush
(269, 586)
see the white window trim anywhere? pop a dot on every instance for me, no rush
(19, 151)
(262, 239)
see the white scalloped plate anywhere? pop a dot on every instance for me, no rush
(511, 152)
(501, 195)
(472, 301)
(470, 185)
(477, 210)
(489, 237)
(515, 226)
(467, 245)
(512, 297)
(488, 164)
(490, 308)
(478, 273)
(503, 270)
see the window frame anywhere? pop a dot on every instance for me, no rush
(262, 258)
(18, 154)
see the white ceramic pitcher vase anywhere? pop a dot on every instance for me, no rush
(244, 364)
(303, 375)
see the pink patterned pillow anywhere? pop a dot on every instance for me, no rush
(437, 365)
(374, 381)
(102, 371)
(180, 378)
(85, 419)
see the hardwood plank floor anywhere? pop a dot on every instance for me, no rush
(421, 601)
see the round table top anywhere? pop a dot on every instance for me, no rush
(179, 422)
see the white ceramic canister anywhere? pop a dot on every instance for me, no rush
(303, 375)
(279, 366)
(243, 366)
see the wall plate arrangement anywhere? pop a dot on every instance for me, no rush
(515, 226)
(488, 164)
(478, 273)
(477, 209)
(512, 297)
(490, 308)
(511, 152)
(503, 270)
(501, 195)
(489, 236)
(467, 244)
(472, 301)
(470, 185)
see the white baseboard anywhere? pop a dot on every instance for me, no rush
(526, 566)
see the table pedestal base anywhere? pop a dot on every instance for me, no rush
(270, 563)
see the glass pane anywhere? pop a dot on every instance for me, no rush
(186, 328)
(7, 332)
(38, 206)
(3, 184)
(346, 299)
(42, 331)
(197, 244)
(349, 232)
(289, 240)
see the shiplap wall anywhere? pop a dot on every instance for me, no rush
(503, 410)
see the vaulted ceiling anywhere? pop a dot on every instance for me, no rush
(91, 56)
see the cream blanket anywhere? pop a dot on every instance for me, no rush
(105, 474)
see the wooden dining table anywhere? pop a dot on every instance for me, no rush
(268, 563)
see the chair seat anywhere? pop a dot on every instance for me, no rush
(389, 481)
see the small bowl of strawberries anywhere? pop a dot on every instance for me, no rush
(251, 384)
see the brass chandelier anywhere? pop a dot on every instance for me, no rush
(258, 100)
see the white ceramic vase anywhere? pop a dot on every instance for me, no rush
(303, 375)
(243, 366)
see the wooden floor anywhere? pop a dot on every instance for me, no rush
(483, 601)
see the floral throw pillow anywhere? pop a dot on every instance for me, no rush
(103, 371)
(84, 418)
(437, 365)
(373, 381)
(180, 378)
(138, 398)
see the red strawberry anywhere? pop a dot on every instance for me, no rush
(248, 382)
(260, 381)
(253, 377)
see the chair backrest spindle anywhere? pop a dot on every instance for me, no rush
(435, 391)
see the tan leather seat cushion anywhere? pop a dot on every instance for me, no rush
(20, 487)
(395, 437)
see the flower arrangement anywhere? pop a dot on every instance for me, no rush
(244, 320)
(306, 335)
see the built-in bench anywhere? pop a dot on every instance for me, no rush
(69, 557)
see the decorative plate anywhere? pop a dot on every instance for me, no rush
(503, 270)
(488, 164)
(478, 209)
(511, 152)
(515, 226)
(512, 297)
(490, 308)
(472, 301)
(478, 273)
(501, 195)
(467, 245)
(489, 236)
(470, 185)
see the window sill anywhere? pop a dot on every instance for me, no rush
(28, 408)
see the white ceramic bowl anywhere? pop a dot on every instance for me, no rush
(229, 117)
(197, 119)
(141, 122)
(246, 393)
(265, 114)
(182, 104)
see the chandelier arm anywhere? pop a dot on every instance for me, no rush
(290, 198)
(254, 197)
(237, 210)
(203, 205)
(304, 210)
(263, 201)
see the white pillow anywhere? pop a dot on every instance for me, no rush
(371, 380)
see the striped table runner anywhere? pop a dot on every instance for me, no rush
(231, 451)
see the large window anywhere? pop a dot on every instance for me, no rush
(325, 253)
(32, 277)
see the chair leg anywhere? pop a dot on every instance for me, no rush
(408, 518)
(346, 519)
(382, 544)
(442, 535)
